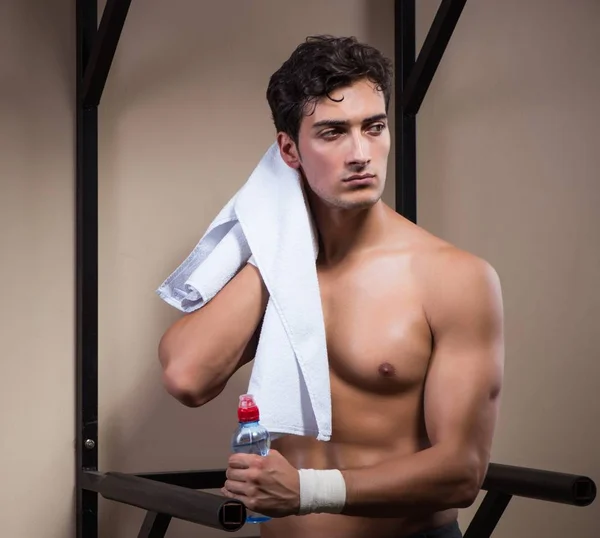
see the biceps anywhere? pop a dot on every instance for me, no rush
(462, 393)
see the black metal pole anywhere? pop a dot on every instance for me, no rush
(488, 514)
(406, 135)
(154, 525)
(86, 276)
(200, 507)
(103, 52)
(431, 54)
(205, 479)
(540, 484)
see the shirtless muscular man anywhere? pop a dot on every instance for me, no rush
(414, 330)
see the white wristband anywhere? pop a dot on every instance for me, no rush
(321, 491)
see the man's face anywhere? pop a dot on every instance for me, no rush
(342, 139)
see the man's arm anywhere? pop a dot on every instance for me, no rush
(461, 400)
(201, 351)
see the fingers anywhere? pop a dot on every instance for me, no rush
(227, 493)
(244, 461)
(239, 475)
(235, 488)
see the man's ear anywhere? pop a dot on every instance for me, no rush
(289, 150)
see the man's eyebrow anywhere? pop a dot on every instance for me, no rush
(345, 123)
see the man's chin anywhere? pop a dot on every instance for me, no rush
(358, 200)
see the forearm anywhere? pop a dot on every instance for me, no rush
(429, 481)
(203, 349)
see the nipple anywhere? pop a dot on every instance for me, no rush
(386, 369)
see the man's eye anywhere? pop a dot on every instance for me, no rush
(378, 127)
(331, 133)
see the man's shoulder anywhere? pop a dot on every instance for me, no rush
(434, 257)
(451, 277)
(443, 260)
(439, 264)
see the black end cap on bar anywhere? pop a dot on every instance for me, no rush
(538, 484)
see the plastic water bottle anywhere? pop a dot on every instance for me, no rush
(250, 438)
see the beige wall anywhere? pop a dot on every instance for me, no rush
(37, 44)
(508, 168)
(510, 116)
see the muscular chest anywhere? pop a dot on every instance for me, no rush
(378, 338)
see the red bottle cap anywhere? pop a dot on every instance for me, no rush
(247, 409)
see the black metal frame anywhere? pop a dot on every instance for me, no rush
(174, 494)
(86, 277)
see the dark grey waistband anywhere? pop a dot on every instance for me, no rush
(451, 530)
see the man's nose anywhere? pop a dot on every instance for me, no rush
(359, 152)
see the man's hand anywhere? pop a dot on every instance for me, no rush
(269, 484)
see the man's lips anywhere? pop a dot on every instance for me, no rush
(358, 177)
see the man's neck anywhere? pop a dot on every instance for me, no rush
(343, 232)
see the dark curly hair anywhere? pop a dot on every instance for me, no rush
(316, 68)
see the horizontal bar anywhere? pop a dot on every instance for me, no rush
(103, 52)
(518, 481)
(183, 503)
(542, 485)
(431, 54)
(208, 479)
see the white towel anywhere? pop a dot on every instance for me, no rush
(268, 220)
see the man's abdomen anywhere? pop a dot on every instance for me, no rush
(366, 431)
